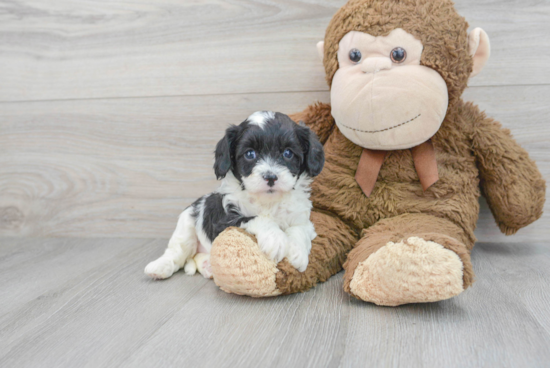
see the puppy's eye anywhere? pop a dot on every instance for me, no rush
(288, 154)
(355, 55)
(250, 155)
(398, 55)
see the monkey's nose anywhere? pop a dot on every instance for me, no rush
(270, 178)
(375, 64)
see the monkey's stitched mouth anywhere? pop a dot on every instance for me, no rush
(382, 130)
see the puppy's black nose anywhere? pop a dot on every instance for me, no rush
(270, 178)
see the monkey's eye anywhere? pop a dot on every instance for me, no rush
(398, 55)
(288, 154)
(355, 55)
(250, 155)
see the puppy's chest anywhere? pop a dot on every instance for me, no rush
(285, 213)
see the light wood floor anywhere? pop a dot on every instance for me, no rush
(109, 112)
(87, 303)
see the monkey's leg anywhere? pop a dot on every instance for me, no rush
(412, 258)
(240, 267)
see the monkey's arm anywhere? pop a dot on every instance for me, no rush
(510, 180)
(318, 118)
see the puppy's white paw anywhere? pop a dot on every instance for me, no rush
(298, 254)
(202, 260)
(190, 267)
(160, 269)
(274, 244)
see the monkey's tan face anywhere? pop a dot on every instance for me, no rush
(382, 98)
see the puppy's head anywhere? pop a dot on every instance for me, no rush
(268, 153)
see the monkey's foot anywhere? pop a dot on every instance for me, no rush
(240, 267)
(413, 270)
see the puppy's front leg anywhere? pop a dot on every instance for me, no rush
(299, 245)
(271, 239)
(182, 246)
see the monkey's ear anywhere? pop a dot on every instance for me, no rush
(321, 49)
(480, 49)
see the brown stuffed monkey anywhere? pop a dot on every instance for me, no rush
(406, 160)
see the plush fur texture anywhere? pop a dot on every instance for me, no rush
(475, 155)
(409, 271)
(419, 225)
(242, 268)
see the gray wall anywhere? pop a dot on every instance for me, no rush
(109, 111)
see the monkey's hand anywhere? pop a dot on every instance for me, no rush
(510, 180)
(318, 118)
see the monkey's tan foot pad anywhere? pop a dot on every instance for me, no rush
(240, 267)
(410, 271)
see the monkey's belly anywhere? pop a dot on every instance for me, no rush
(398, 190)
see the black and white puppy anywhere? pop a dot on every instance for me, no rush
(266, 165)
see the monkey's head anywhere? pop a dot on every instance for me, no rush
(395, 66)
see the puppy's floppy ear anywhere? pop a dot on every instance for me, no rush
(224, 152)
(314, 155)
